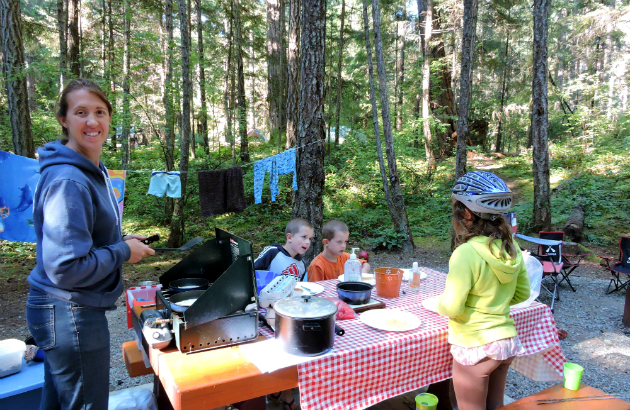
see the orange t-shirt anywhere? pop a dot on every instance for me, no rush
(323, 269)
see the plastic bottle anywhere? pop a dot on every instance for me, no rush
(352, 268)
(415, 277)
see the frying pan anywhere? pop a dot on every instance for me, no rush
(188, 284)
(181, 301)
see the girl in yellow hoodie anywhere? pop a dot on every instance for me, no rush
(486, 276)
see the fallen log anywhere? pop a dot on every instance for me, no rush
(574, 228)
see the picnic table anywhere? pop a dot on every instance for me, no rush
(366, 365)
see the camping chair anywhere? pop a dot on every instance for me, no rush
(619, 267)
(569, 262)
(550, 256)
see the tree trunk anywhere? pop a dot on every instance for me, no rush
(339, 82)
(377, 132)
(422, 9)
(126, 117)
(541, 219)
(169, 114)
(242, 103)
(426, 82)
(176, 236)
(274, 61)
(110, 69)
(30, 83)
(62, 23)
(498, 147)
(293, 72)
(74, 11)
(233, 110)
(228, 70)
(574, 228)
(308, 202)
(401, 222)
(401, 74)
(14, 78)
(203, 115)
(465, 88)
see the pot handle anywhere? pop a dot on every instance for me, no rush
(339, 331)
(311, 327)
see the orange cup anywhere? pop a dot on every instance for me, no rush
(388, 281)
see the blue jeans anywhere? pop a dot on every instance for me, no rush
(76, 342)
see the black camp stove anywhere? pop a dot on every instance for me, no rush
(218, 317)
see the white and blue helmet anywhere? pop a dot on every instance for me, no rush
(483, 193)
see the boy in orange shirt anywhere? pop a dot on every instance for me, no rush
(329, 264)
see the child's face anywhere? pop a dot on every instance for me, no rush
(301, 240)
(337, 245)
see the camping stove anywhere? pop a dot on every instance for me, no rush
(226, 313)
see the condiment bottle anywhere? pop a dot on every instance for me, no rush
(414, 284)
(352, 268)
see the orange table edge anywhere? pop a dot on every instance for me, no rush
(559, 392)
(208, 379)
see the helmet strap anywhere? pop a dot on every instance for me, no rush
(486, 216)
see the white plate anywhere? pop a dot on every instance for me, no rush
(366, 278)
(431, 303)
(391, 320)
(407, 275)
(308, 288)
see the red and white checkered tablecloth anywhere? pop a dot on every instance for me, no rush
(368, 365)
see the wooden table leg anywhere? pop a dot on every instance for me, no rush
(163, 402)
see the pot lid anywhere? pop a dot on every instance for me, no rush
(305, 307)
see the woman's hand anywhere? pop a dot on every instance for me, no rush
(134, 236)
(138, 249)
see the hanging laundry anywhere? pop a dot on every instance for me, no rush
(167, 183)
(285, 164)
(280, 164)
(117, 178)
(260, 170)
(221, 191)
(19, 181)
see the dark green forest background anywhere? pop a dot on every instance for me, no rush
(588, 125)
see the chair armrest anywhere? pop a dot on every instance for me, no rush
(605, 257)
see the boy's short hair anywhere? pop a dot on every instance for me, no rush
(294, 226)
(332, 226)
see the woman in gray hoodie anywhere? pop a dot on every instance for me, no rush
(80, 252)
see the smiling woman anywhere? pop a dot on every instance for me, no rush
(80, 252)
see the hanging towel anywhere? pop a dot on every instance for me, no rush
(285, 164)
(117, 178)
(19, 182)
(260, 170)
(168, 183)
(221, 191)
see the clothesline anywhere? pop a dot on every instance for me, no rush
(242, 166)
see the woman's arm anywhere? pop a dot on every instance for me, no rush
(68, 257)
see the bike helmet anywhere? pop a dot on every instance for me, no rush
(485, 194)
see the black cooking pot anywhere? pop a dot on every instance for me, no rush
(354, 293)
(306, 325)
(188, 284)
(181, 301)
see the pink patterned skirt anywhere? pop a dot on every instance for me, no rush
(499, 350)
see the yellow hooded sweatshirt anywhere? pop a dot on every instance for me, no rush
(480, 287)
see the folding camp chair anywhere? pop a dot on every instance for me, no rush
(619, 267)
(550, 256)
(569, 261)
